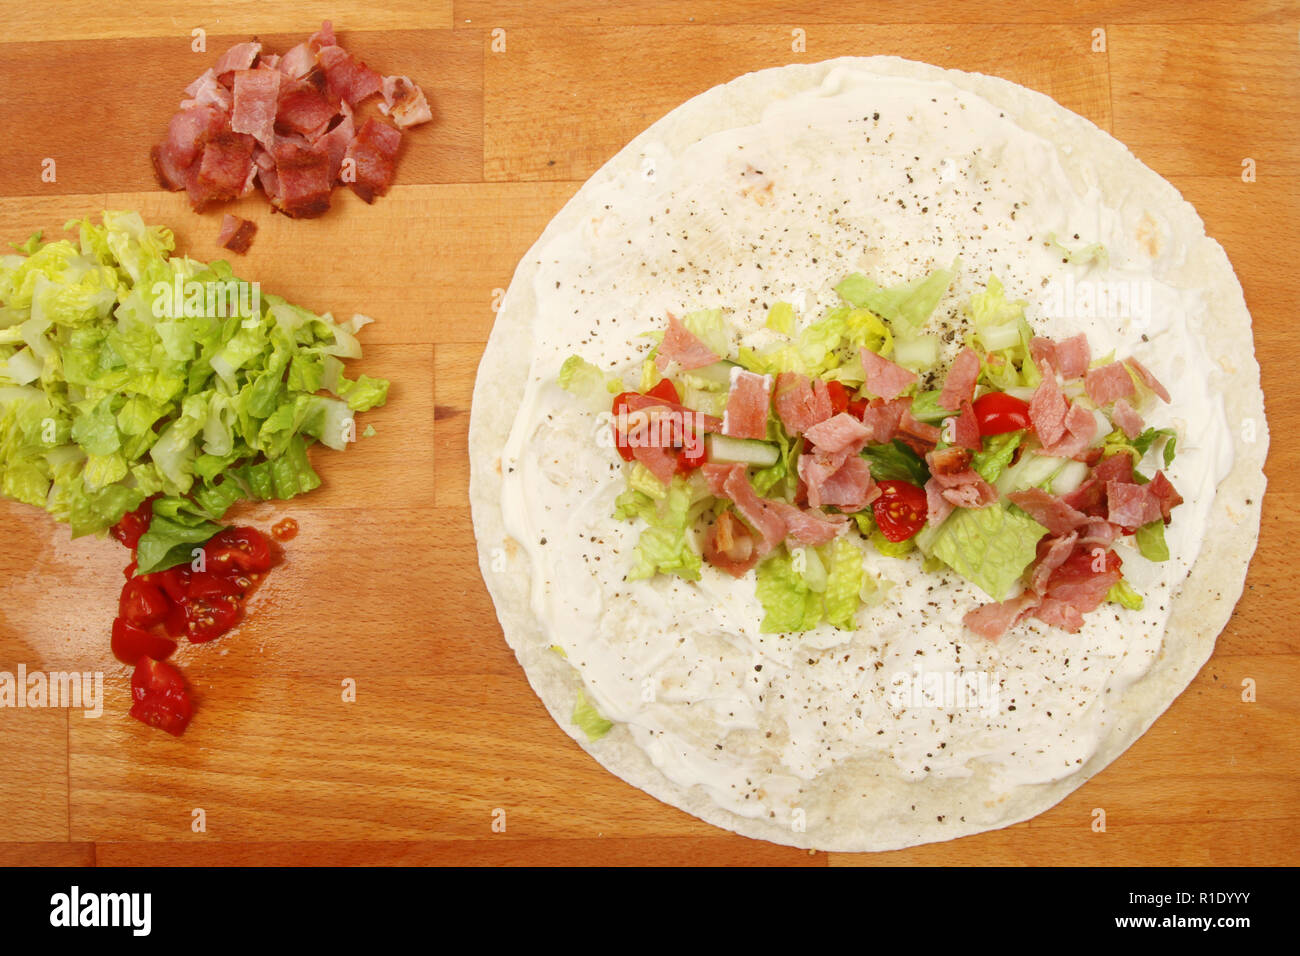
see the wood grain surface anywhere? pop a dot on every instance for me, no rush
(381, 586)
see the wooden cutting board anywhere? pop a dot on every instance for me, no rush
(381, 587)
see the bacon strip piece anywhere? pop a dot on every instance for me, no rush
(236, 234)
(680, 345)
(959, 386)
(404, 102)
(374, 156)
(256, 95)
(885, 379)
(1108, 383)
(801, 403)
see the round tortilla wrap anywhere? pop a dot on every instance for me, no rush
(860, 808)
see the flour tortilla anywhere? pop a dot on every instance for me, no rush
(864, 811)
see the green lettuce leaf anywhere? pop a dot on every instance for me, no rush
(1150, 540)
(845, 578)
(990, 547)
(896, 461)
(665, 546)
(588, 718)
(1122, 593)
(789, 604)
(996, 454)
(908, 305)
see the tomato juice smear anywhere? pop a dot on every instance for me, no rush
(200, 601)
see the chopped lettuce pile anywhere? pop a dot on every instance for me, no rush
(127, 373)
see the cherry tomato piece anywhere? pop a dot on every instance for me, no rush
(133, 524)
(839, 397)
(667, 391)
(207, 584)
(999, 413)
(142, 603)
(130, 643)
(206, 619)
(900, 510)
(160, 696)
(243, 550)
(175, 582)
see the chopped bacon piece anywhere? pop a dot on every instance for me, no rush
(1080, 428)
(322, 38)
(946, 462)
(1148, 379)
(959, 386)
(840, 433)
(236, 234)
(241, 56)
(1108, 383)
(187, 132)
(304, 180)
(747, 405)
(1098, 533)
(1070, 358)
(1115, 468)
(349, 79)
(975, 492)
(404, 102)
(256, 93)
(881, 418)
(223, 170)
(1047, 409)
(838, 481)
(919, 436)
(765, 519)
(1052, 553)
(885, 379)
(1163, 489)
(335, 142)
(800, 403)
(373, 152)
(809, 527)
(1051, 511)
(303, 109)
(1131, 506)
(1082, 583)
(1043, 351)
(206, 91)
(679, 344)
(966, 428)
(1089, 497)
(991, 621)
(730, 547)
(298, 62)
(1129, 421)
(659, 459)
(937, 507)
(1058, 613)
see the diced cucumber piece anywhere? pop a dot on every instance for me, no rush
(1029, 472)
(719, 373)
(1069, 478)
(744, 451)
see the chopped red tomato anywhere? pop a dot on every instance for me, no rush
(175, 582)
(160, 697)
(209, 584)
(667, 391)
(206, 619)
(142, 603)
(620, 410)
(900, 510)
(243, 549)
(839, 397)
(133, 524)
(686, 459)
(130, 643)
(999, 413)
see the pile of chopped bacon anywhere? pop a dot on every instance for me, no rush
(289, 124)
